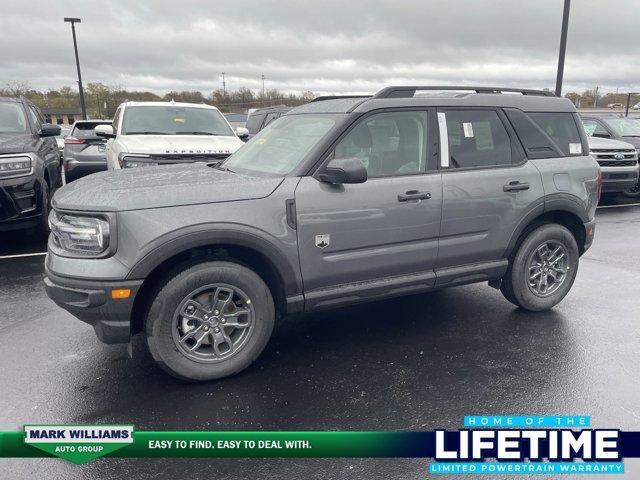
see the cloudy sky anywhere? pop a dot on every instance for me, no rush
(325, 46)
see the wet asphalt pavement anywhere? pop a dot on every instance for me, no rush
(415, 363)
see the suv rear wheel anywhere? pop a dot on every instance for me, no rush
(543, 269)
(210, 321)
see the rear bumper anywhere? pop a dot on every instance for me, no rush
(75, 169)
(590, 231)
(91, 302)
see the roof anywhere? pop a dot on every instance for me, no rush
(271, 109)
(165, 104)
(526, 100)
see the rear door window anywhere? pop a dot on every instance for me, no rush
(562, 128)
(254, 122)
(477, 138)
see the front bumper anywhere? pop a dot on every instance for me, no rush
(91, 302)
(20, 202)
(618, 179)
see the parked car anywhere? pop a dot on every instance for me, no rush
(615, 105)
(261, 117)
(84, 151)
(339, 201)
(145, 134)
(636, 106)
(64, 132)
(618, 162)
(615, 127)
(29, 165)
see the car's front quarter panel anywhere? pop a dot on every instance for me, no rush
(145, 237)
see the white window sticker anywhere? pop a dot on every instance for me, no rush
(444, 139)
(468, 129)
(575, 149)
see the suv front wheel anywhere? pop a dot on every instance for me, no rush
(543, 269)
(210, 321)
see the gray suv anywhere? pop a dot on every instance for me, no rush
(337, 202)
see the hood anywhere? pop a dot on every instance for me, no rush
(635, 141)
(597, 143)
(157, 187)
(180, 144)
(16, 142)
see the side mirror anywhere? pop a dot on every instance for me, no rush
(49, 130)
(344, 170)
(242, 133)
(105, 131)
(601, 135)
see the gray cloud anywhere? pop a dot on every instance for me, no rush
(323, 46)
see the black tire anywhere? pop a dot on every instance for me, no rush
(159, 323)
(515, 284)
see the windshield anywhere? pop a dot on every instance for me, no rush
(280, 147)
(12, 119)
(624, 127)
(174, 120)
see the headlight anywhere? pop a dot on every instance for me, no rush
(82, 236)
(134, 161)
(15, 166)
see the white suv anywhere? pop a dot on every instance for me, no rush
(156, 133)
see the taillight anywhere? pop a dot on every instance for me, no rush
(73, 141)
(599, 183)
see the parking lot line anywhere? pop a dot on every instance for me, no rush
(36, 254)
(623, 205)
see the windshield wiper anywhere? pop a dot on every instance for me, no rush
(219, 166)
(198, 133)
(147, 133)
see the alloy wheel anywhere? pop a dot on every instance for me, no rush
(213, 323)
(548, 268)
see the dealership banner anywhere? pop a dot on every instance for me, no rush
(486, 445)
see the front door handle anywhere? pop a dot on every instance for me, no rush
(515, 186)
(414, 195)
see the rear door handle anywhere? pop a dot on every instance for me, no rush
(414, 195)
(515, 186)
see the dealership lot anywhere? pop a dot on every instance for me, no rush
(417, 363)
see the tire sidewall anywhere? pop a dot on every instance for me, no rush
(519, 272)
(160, 319)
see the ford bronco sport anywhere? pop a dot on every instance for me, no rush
(339, 201)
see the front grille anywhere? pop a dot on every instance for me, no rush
(617, 163)
(618, 176)
(188, 157)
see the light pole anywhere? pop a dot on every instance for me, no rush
(73, 22)
(563, 47)
(263, 85)
(224, 87)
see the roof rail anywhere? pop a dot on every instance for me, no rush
(336, 97)
(408, 92)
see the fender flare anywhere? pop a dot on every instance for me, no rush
(558, 202)
(195, 236)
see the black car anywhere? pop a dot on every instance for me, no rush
(29, 165)
(260, 118)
